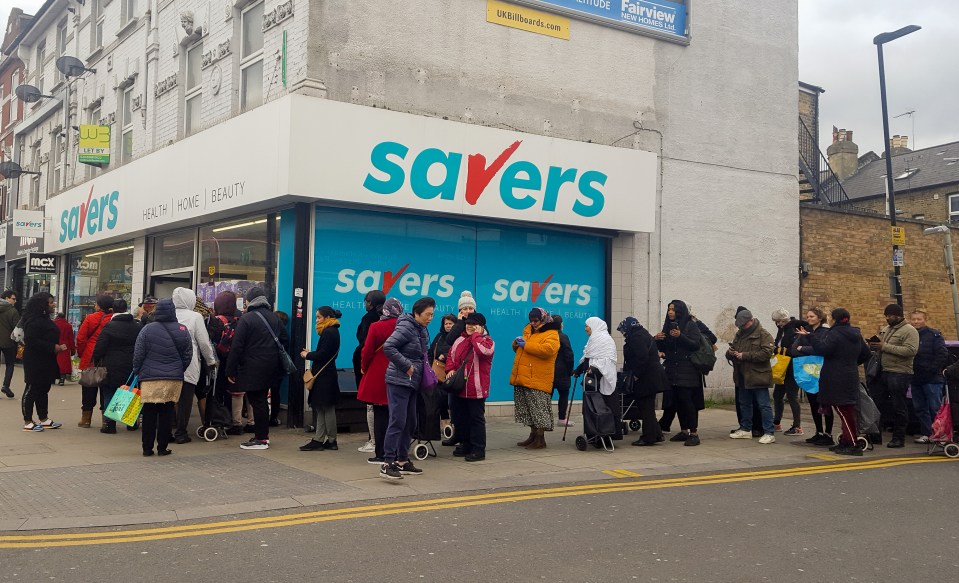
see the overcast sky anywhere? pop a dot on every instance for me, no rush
(837, 54)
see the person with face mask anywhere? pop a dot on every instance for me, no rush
(897, 345)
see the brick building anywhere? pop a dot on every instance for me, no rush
(11, 109)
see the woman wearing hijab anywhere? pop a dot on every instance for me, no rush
(678, 340)
(326, 388)
(532, 376)
(599, 354)
(644, 375)
(372, 389)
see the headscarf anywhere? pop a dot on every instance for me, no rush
(392, 308)
(682, 315)
(626, 325)
(225, 304)
(601, 352)
(542, 314)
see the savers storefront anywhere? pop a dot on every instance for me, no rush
(361, 198)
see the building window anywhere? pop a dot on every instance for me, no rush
(61, 46)
(57, 176)
(126, 125)
(193, 99)
(98, 18)
(954, 208)
(34, 201)
(251, 57)
(41, 56)
(95, 272)
(238, 255)
(129, 10)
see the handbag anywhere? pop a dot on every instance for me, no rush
(309, 378)
(873, 367)
(806, 371)
(456, 383)
(93, 376)
(428, 381)
(285, 359)
(780, 365)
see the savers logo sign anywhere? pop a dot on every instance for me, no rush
(97, 214)
(435, 173)
(399, 281)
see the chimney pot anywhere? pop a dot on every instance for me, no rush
(849, 136)
(904, 141)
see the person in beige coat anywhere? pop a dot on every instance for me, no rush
(897, 346)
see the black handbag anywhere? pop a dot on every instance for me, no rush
(456, 383)
(873, 367)
(285, 361)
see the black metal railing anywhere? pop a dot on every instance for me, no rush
(815, 167)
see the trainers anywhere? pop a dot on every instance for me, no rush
(51, 424)
(681, 436)
(849, 450)
(768, 438)
(6, 391)
(390, 471)
(777, 428)
(374, 460)
(408, 469)
(32, 427)
(922, 439)
(692, 440)
(368, 447)
(255, 444)
(565, 423)
(741, 434)
(824, 439)
(793, 432)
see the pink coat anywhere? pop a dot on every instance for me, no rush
(477, 385)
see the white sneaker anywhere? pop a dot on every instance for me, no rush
(922, 439)
(565, 423)
(768, 438)
(741, 434)
(368, 447)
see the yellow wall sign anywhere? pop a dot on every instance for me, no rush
(94, 147)
(527, 19)
(898, 235)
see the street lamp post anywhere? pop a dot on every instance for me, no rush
(880, 40)
(950, 266)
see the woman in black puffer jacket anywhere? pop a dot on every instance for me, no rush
(406, 350)
(680, 338)
(114, 349)
(163, 352)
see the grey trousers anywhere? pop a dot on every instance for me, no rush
(325, 423)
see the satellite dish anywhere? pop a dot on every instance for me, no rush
(12, 170)
(28, 93)
(72, 66)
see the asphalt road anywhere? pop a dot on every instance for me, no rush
(868, 523)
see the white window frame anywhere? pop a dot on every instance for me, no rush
(129, 11)
(61, 46)
(254, 58)
(34, 201)
(192, 93)
(93, 171)
(953, 214)
(126, 124)
(41, 57)
(58, 144)
(98, 18)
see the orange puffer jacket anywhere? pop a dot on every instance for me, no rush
(535, 363)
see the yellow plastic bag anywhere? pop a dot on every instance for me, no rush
(132, 413)
(780, 364)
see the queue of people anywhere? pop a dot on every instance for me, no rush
(181, 350)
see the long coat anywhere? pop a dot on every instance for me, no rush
(535, 364)
(843, 350)
(372, 387)
(326, 387)
(679, 369)
(40, 339)
(641, 360)
(754, 371)
(564, 363)
(66, 337)
(254, 360)
(115, 348)
(87, 336)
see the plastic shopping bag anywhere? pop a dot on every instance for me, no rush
(125, 405)
(75, 372)
(806, 372)
(780, 364)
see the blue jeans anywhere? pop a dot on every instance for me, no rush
(926, 400)
(761, 394)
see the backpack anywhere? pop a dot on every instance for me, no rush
(225, 341)
(703, 359)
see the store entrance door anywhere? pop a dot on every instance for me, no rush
(162, 286)
(28, 284)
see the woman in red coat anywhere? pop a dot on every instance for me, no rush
(86, 340)
(66, 338)
(373, 363)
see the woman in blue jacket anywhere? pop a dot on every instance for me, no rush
(163, 352)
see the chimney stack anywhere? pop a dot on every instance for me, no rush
(899, 145)
(843, 154)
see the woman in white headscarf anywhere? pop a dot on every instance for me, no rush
(599, 353)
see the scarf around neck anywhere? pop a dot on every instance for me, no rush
(321, 326)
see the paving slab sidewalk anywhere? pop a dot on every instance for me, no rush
(75, 478)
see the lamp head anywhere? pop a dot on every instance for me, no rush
(885, 37)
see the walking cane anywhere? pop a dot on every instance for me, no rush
(570, 408)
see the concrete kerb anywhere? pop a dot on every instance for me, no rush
(78, 478)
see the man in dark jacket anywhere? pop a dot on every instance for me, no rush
(8, 346)
(645, 374)
(927, 380)
(114, 349)
(562, 372)
(788, 390)
(254, 366)
(749, 354)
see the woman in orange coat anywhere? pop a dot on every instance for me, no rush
(532, 376)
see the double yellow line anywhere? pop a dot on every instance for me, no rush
(204, 529)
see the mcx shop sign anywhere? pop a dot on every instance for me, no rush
(41, 263)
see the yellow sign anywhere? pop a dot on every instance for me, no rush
(527, 19)
(898, 235)
(211, 269)
(94, 147)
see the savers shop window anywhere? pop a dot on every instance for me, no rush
(237, 256)
(101, 271)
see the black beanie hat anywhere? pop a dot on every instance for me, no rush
(893, 310)
(255, 292)
(476, 319)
